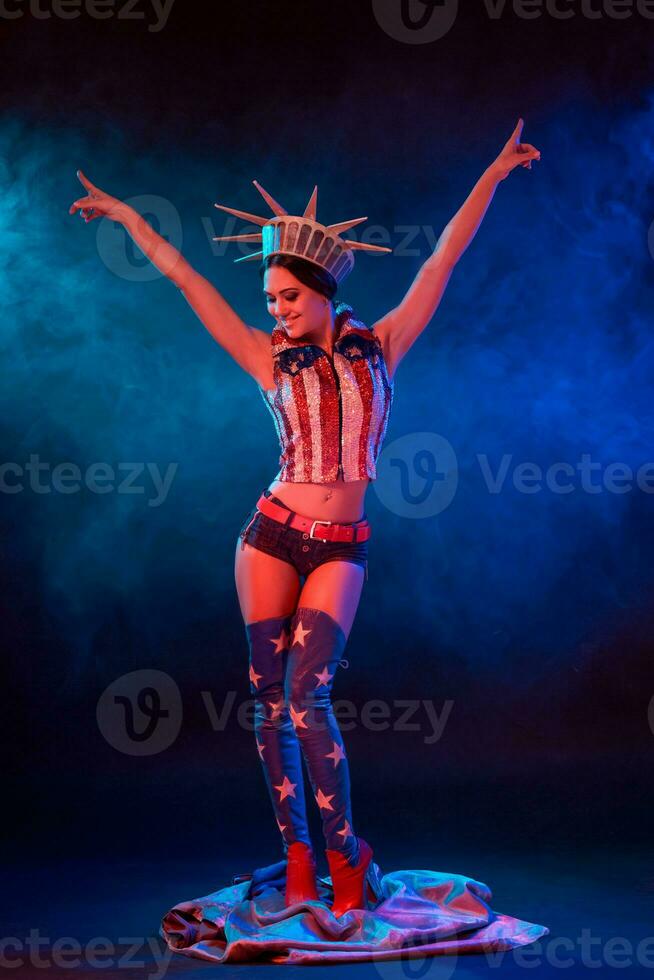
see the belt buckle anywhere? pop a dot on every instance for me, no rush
(312, 535)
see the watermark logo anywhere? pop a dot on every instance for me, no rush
(564, 478)
(101, 478)
(36, 953)
(141, 712)
(155, 11)
(426, 21)
(415, 21)
(417, 475)
(119, 252)
(406, 240)
(413, 964)
(585, 951)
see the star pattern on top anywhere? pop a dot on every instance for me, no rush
(286, 788)
(299, 635)
(346, 831)
(324, 677)
(298, 718)
(276, 708)
(281, 641)
(336, 754)
(324, 801)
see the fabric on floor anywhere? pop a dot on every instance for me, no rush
(417, 913)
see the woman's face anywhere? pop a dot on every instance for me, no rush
(298, 308)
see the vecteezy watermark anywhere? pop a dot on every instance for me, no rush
(98, 478)
(584, 950)
(122, 257)
(560, 952)
(96, 9)
(563, 478)
(426, 21)
(412, 963)
(374, 715)
(140, 713)
(117, 248)
(98, 953)
(418, 475)
(415, 21)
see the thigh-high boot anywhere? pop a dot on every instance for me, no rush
(316, 646)
(279, 750)
(317, 643)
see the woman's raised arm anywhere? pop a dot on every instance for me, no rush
(400, 328)
(249, 347)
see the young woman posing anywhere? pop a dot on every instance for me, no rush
(301, 555)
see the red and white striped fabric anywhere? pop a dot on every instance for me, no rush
(330, 413)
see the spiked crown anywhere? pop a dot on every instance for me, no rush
(301, 236)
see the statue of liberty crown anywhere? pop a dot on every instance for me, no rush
(302, 236)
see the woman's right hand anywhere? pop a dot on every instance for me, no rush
(96, 204)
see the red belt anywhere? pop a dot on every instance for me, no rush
(329, 530)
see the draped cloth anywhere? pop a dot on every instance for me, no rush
(415, 914)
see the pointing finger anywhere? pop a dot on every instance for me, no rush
(87, 183)
(517, 131)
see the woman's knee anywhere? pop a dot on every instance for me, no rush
(307, 694)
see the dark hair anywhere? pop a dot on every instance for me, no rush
(309, 273)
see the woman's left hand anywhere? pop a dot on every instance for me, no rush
(515, 153)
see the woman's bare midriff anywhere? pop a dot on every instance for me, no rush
(339, 501)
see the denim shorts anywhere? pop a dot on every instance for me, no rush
(296, 547)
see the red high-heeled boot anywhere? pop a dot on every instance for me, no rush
(300, 873)
(351, 890)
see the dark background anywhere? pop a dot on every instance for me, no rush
(532, 613)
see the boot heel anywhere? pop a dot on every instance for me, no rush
(350, 883)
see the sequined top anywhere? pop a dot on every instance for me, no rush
(330, 413)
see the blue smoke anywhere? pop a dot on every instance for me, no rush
(542, 351)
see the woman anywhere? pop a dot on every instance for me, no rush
(301, 555)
